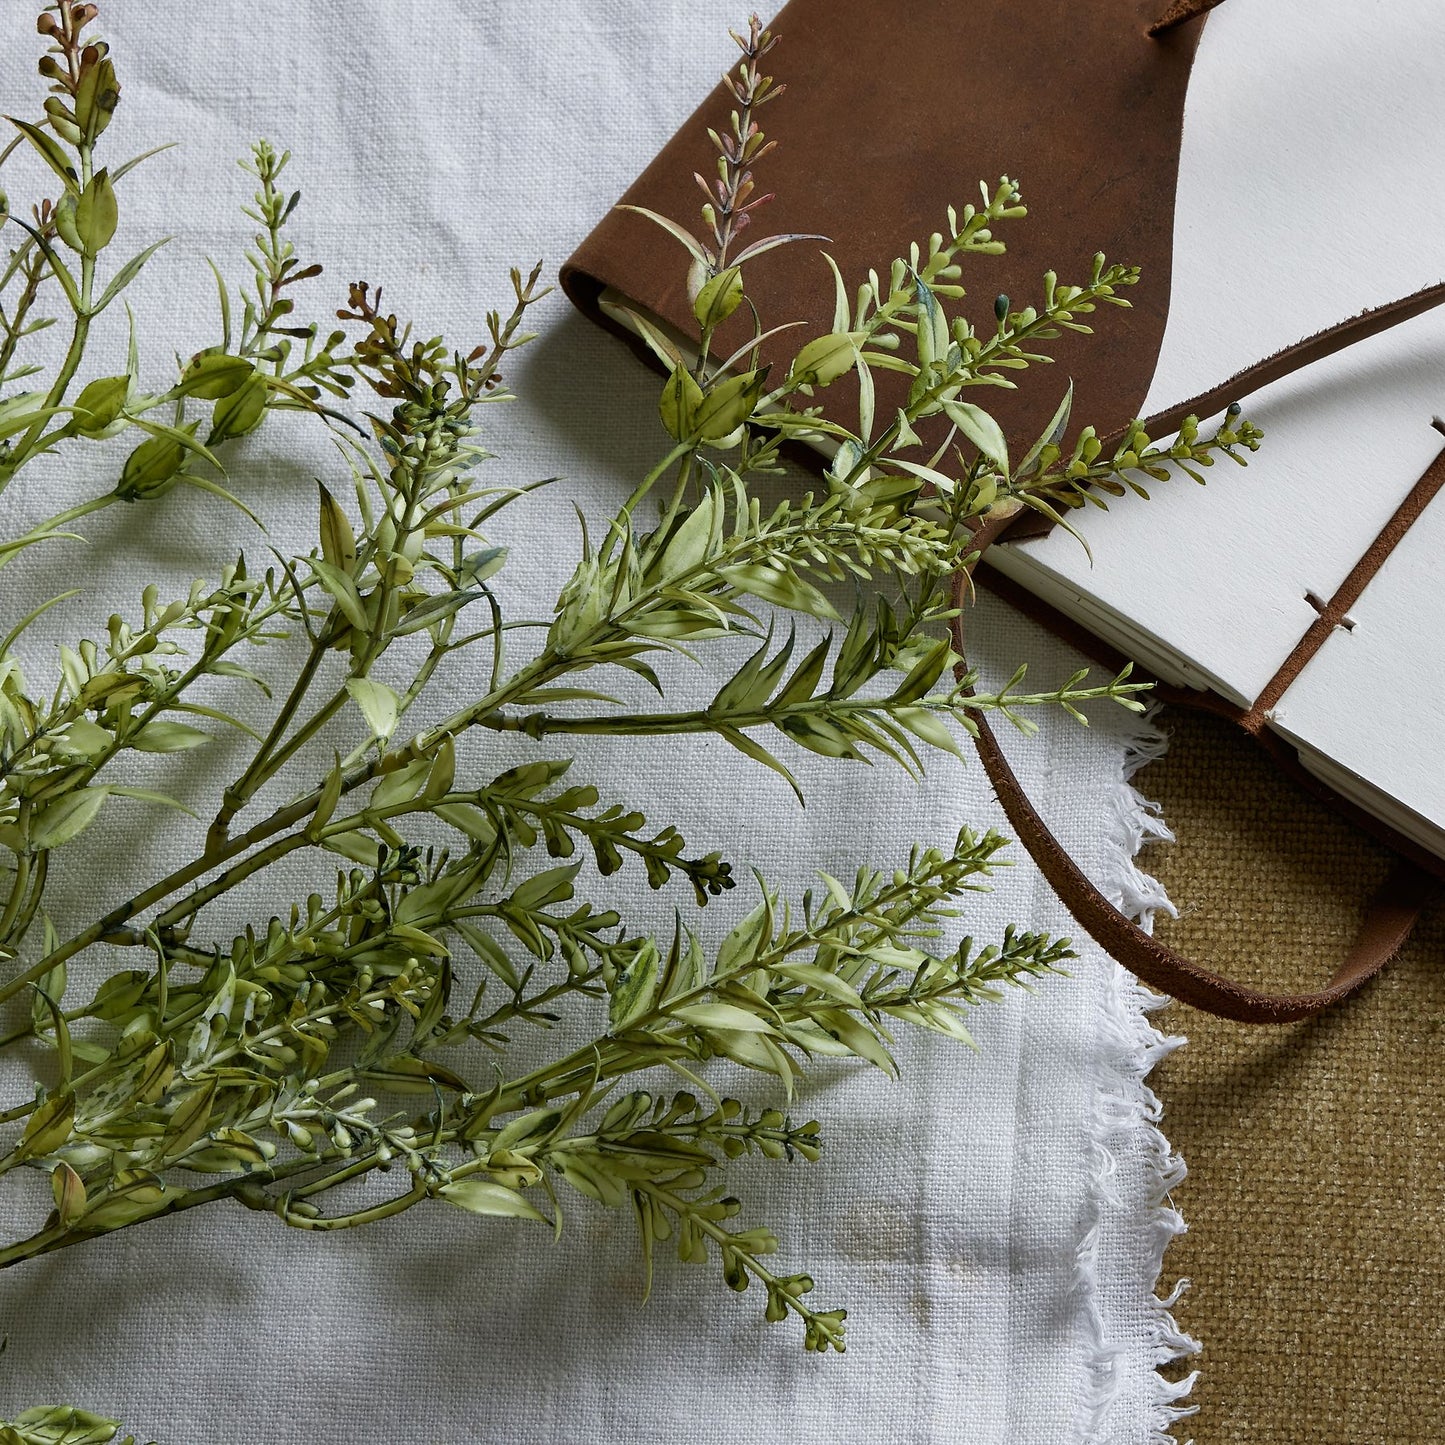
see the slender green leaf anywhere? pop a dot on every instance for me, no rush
(343, 590)
(783, 589)
(50, 151)
(378, 704)
(168, 737)
(721, 1016)
(1052, 434)
(66, 818)
(126, 275)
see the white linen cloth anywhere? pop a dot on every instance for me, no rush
(994, 1223)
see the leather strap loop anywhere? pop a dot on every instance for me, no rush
(1387, 924)
(1392, 914)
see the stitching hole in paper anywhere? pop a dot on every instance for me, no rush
(1319, 605)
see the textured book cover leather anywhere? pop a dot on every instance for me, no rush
(896, 111)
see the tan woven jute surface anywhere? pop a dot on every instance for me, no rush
(1316, 1196)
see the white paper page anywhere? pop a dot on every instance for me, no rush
(1373, 697)
(1311, 188)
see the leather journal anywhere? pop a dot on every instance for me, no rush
(1273, 169)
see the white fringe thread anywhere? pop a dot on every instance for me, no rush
(1125, 1117)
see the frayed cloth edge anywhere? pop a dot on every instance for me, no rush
(1125, 1116)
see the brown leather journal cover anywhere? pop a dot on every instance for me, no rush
(894, 112)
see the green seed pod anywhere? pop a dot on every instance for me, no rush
(150, 470)
(213, 375)
(65, 226)
(239, 413)
(99, 404)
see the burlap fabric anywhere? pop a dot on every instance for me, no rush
(1314, 1196)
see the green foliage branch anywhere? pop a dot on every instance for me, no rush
(364, 1035)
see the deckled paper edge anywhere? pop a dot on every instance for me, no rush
(1123, 1130)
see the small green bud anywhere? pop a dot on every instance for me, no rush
(239, 413)
(734, 1271)
(65, 226)
(150, 470)
(99, 404)
(213, 375)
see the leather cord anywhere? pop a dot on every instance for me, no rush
(1256, 376)
(1282, 363)
(1392, 914)
(1334, 613)
(1387, 924)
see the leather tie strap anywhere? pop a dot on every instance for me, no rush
(1290, 359)
(1387, 923)
(1394, 911)
(1275, 367)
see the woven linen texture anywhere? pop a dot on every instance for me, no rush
(1316, 1155)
